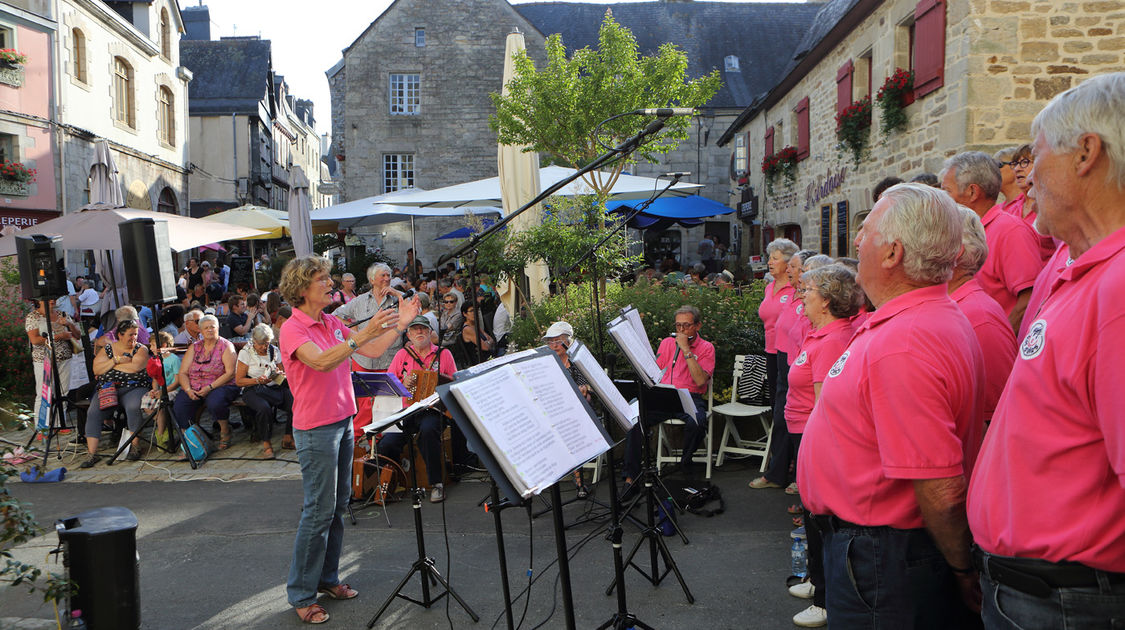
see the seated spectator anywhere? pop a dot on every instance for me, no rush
(197, 298)
(238, 322)
(422, 354)
(558, 338)
(160, 351)
(272, 300)
(283, 313)
(257, 372)
(171, 319)
(256, 311)
(465, 346)
(688, 362)
(128, 313)
(191, 333)
(206, 376)
(120, 364)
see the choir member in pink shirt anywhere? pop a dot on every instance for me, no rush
(973, 180)
(1048, 492)
(890, 444)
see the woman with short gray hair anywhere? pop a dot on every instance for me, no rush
(778, 297)
(831, 298)
(260, 374)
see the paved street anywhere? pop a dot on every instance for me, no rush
(215, 553)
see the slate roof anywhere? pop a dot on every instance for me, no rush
(761, 35)
(231, 76)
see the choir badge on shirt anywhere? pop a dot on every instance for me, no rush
(783, 299)
(838, 366)
(339, 334)
(1035, 340)
(801, 359)
(801, 309)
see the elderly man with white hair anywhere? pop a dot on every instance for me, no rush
(888, 449)
(973, 180)
(380, 297)
(1048, 492)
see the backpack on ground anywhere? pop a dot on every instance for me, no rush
(197, 443)
(696, 496)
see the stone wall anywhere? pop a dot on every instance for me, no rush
(142, 178)
(1004, 60)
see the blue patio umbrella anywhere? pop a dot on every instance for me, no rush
(464, 232)
(667, 211)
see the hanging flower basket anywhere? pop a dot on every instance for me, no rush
(853, 127)
(893, 98)
(783, 162)
(16, 172)
(12, 57)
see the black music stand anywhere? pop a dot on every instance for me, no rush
(423, 565)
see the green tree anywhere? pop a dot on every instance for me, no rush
(556, 110)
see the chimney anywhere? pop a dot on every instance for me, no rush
(197, 23)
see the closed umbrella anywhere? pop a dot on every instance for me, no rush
(300, 224)
(105, 189)
(519, 183)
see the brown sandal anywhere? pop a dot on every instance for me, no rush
(224, 441)
(311, 612)
(339, 591)
(287, 443)
(267, 453)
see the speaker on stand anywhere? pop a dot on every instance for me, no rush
(147, 255)
(42, 268)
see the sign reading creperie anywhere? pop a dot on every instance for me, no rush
(23, 219)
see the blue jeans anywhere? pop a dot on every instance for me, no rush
(694, 431)
(1092, 607)
(325, 454)
(886, 578)
(217, 400)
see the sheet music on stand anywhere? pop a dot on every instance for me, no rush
(640, 355)
(485, 366)
(386, 425)
(634, 316)
(527, 422)
(619, 408)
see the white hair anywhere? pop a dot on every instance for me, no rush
(783, 245)
(376, 268)
(1093, 106)
(261, 332)
(926, 222)
(816, 262)
(208, 318)
(973, 242)
(974, 167)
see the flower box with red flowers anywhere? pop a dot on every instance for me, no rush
(896, 93)
(783, 162)
(16, 172)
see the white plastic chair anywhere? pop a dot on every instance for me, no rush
(732, 441)
(665, 454)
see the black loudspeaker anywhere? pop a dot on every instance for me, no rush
(100, 553)
(148, 261)
(41, 266)
(241, 272)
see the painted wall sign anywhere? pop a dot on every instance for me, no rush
(824, 186)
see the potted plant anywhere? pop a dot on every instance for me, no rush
(16, 172)
(783, 162)
(893, 98)
(853, 126)
(10, 57)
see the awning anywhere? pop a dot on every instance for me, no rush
(668, 211)
(466, 231)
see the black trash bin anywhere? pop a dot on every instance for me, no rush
(100, 553)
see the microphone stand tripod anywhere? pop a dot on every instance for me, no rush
(56, 421)
(424, 565)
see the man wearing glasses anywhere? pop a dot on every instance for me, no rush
(191, 333)
(688, 362)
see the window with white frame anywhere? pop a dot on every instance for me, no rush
(405, 92)
(398, 171)
(8, 150)
(740, 154)
(7, 37)
(124, 110)
(78, 46)
(420, 37)
(166, 116)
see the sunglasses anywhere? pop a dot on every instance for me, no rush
(1022, 163)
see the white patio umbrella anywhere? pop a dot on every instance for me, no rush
(487, 192)
(519, 183)
(95, 227)
(300, 226)
(105, 189)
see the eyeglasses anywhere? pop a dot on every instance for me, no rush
(682, 325)
(801, 291)
(1022, 163)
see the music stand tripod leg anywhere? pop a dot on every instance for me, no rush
(55, 420)
(423, 565)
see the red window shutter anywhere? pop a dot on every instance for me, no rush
(769, 141)
(803, 128)
(844, 86)
(929, 46)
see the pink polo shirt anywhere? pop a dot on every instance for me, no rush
(798, 331)
(997, 341)
(1043, 283)
(786, 319)
(903, 402)
(770, 309)
(319, 398)
(1013, 258)
(404, 362)
(1015, 207)
(821, 349)
(1050, 482)
(680, 374)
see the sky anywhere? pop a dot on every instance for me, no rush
(307, 37)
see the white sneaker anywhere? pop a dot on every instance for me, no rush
(804, 590)
(811, 617)
(437, 494)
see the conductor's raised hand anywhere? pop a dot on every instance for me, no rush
(378, 324)
(407, 311)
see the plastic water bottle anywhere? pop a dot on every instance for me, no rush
(799, 558)
(76, 622)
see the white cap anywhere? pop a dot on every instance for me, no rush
(559, 328)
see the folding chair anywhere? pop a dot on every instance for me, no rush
(665, 454)
(732, 441)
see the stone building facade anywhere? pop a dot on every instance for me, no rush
(997, 63)
(459, 60)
